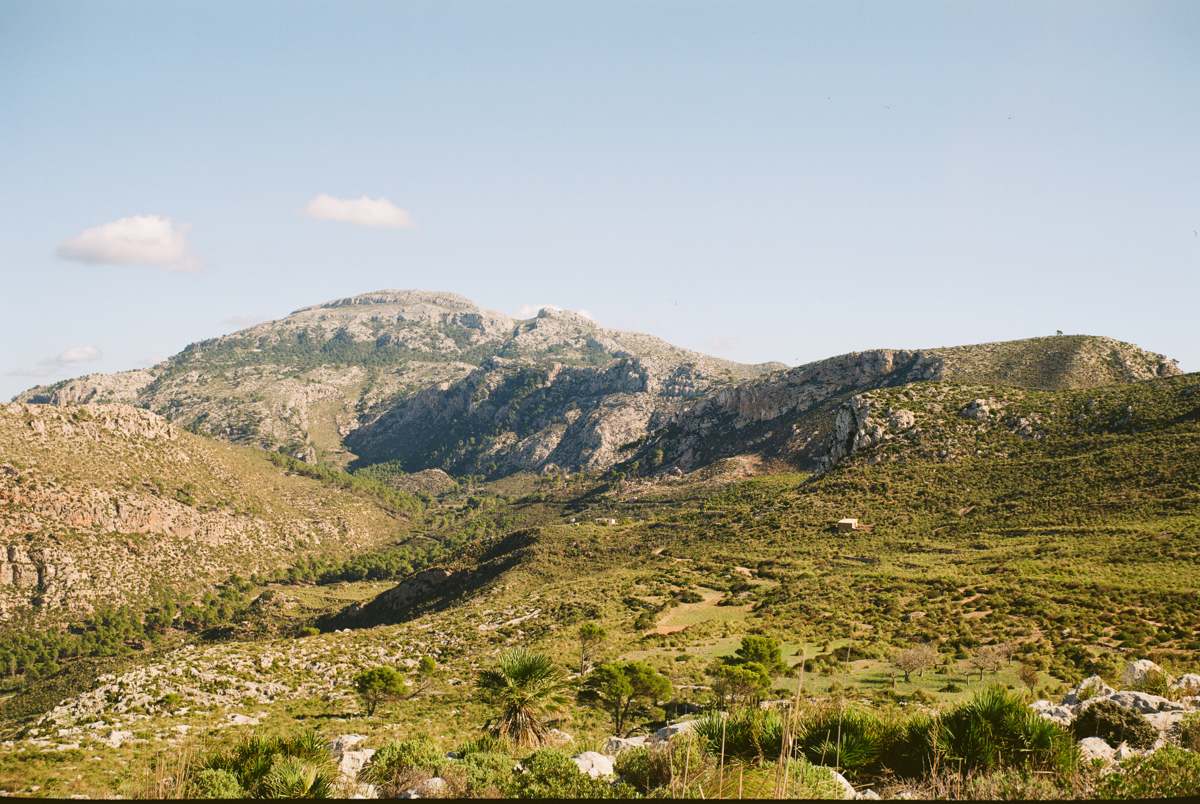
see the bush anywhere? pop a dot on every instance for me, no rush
(549, 773)
(1189, 732)
(215, 783)
(749, 733)
(996, 729)
(398, 766)
(294, 766)
(1154, 682)
(853, 739)
(1169, 772)
(1114, 724)
(488, 773)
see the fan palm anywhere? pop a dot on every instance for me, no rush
(523, 687)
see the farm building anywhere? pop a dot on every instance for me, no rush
(846, 525)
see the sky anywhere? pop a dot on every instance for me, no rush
(756, 180)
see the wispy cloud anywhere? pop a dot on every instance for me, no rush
(137, 240)
(376, 212)
(67, 359)
(531, 310)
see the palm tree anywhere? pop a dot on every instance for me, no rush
(523, 687)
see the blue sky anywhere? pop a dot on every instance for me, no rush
(761, 181)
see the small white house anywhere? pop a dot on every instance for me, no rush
(846, 525)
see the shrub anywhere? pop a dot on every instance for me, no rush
(1114, 724)
(488, 773)
(996, 729)
(625, 689)
(1154, 682)
(484, 744)
(398, 766)
(853, 739)
(215, 783)
(550, 773)
(749, 733)
(1169, 772)
(292, 777)
(1189, 732)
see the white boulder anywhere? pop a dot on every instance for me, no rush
(1136, 673)
(668, 732)
(1142, 702)
(1090, 687)
(1093, 748)
(594, 764)
(1187, 685)
(1057, 713)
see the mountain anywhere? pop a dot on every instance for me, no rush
(789, 415)
(424, 380)
(396, 363)
(110, 505)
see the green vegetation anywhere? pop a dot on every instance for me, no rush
(522, 688)
(379, 685)
(625, 690)
(1114, 724)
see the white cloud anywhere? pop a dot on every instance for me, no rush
(65, 359)
(376, 212)
(531, 310)
(136, 240)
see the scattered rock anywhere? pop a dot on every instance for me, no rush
(1093, 748)
(847, 788)
(1142, 702)
(1090, 687)
(615, 745)
(433, 787)
(557, 737)
(1058, 713)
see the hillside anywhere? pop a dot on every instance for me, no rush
(369, 374)
(789, 415)
(1061, 525)
(109, 505)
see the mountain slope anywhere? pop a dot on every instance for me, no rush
(306, 382)
(431, 381)
(790, 414)
(108, 505)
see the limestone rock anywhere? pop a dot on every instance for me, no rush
(667, 733)
(1090, 687)
(615, 745)
(1136, 673)
(1058, 713)
(594, 764)
(1142, 702)
(1094, 748)
(1187, 685)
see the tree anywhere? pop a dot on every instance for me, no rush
(379, 684)
(625, 688)
(590, 637)
(1028, 675)
(739, 683)
(759, 649)
(989, 658)
(916, 659)
(522, 688)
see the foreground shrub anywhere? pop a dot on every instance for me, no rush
(215, 783)
(398, 766)
(853, 739)
(550, 773)
(1189, 732)
(749, 733)
(487, 774)
(297, 766)
(996, 730)
(1169, 772)
(1114, 724)
(680, 765)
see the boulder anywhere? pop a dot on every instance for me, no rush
(1124, 752)
(1142, 702)
(1187, 685)
(433, 787)
(1090, 687)
(847, 788)
(667, 733)
(867, 795)
(1094, 748)
(1137, 672)
(594, 764)
(615, 745)
(351, 762)
(1057, 713)
(344, 743)
(557, 737)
